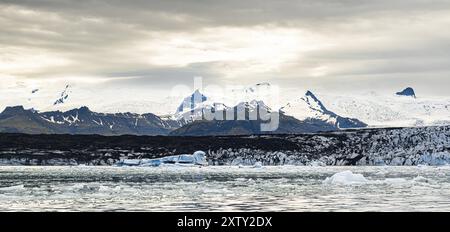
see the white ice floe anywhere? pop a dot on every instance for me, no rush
(12, 188)
(198, 158)
(394, 181)
(349, 178)
(317, 164)
(423, 180)
(345, 178)
(258, 165)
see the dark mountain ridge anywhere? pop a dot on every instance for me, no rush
(82, 121)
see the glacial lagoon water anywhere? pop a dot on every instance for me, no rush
(215, 188)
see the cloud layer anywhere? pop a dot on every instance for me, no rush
(345, 45)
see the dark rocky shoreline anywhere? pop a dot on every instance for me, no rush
(392, 146)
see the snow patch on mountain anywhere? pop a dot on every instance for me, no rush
(310, 107)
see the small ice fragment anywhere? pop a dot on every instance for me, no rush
(395, 181)
(257, 165)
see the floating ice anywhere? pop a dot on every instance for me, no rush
(423, 180)
(317, 164)
(395, 181)
(258, 165)
(198, 158)
(12, 188)
(345, 178)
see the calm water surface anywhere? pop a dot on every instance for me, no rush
(286, 188)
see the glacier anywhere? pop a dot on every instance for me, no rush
(362, 147)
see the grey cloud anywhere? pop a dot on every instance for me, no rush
(98, 35)
(166, 76)
(191, 14)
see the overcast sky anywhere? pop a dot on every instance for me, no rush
(143, 48)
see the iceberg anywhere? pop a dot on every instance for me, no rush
(345, 178)
(258, 165)
(196, 159)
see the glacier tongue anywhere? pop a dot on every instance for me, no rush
(372, 147)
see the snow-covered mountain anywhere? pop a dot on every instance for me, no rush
(398, 109)
(310, 107)
(391, 110)
(191, 102)
(252, 90)
(195, 106)
(263, 92)
(253, 114)
(191, 107)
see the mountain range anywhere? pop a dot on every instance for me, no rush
(310, 107)
(317, 118)
(188, 119)
(306, 114)
(82, 121)
(402, 109)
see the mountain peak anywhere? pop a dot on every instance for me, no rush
(309, 107)
(19, 107)
(84, 109)
(263, 84)
(309, 93)
(13, 109)
(16, 110)
(257, 88)
(314, 102)
(407, 92)
(190, 102)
